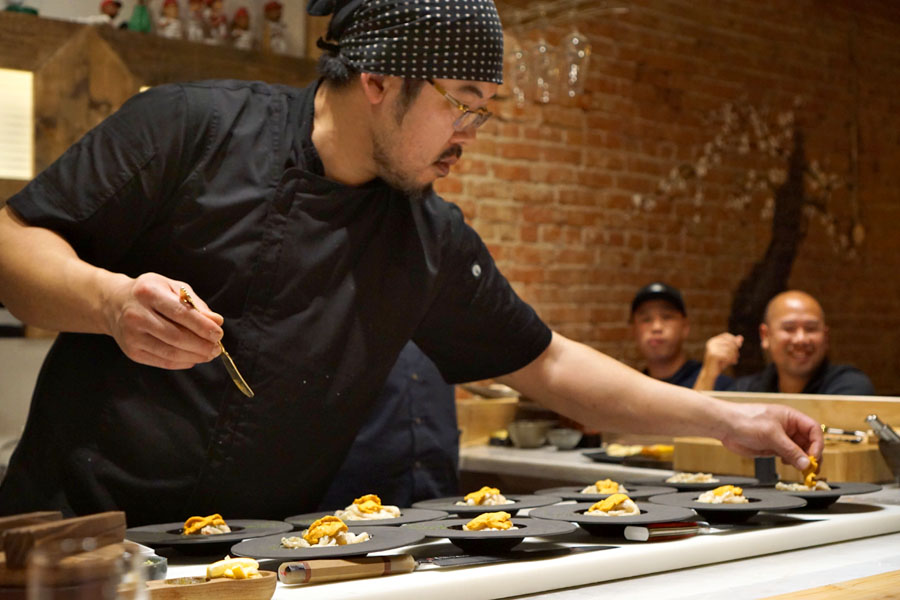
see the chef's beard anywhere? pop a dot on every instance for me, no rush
(395, 177)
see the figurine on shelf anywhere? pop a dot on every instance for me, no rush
(216, 23)
(140, 18)
(274, 38)
(17, 6)
(196, 21)
(168, 25)
(241, 36)
(110, 10)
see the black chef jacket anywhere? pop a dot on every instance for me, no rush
(827, 379)
(408, 448)
(320, 284)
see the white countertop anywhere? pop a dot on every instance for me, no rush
(546, 462)
(854, 538)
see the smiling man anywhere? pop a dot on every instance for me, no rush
(306, 219)
(795, 336)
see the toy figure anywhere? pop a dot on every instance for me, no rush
(217, 23)
(196, 21)
(274, 38)
(111, 8)
(17, 6)
(169, 25)
(140, 18)
(241, 36)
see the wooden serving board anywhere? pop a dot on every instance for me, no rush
(840, 462)
(258, 588)
(875, 587)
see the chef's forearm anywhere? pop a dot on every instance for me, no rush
(596, 390)
(45, 284)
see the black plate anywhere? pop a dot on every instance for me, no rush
(381, 538)
(732, 513)
(602, 456)
(689, 487)
(824, 498)
(636, 492)
(407, 515)
(612, 526)
(169, 534)
(488, 542)
(519, 502)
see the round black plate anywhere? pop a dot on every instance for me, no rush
(687, 487)
(732, 513)
(486, 542)
(824, 498)
(407, 515)
(602, 456)
(169, 534)
(635, 492)
(380, 538)
(612, 526)
(519, 502)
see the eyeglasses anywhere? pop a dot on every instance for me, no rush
(469, 119)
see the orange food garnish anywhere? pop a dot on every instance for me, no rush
(811, 473)
(491, 520)
(607, 486)
(370, 503)
(479, 496)
(195, 524)
(328, 525)
(608, 504)
(724, 489)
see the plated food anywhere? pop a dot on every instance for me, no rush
(724, 494)
(822, 499)
(605, 486)
(171, 534)
(491, 521)
(367, 508)
(486, 496)
(327, 531)
(617, 505)
(612, 526)
(407, 515)
(227, 578)
(458, 505)
(490, 540)
(579, 494)
(811, 481)
(697, 481)
(380, 538)
(211, 525)
(757, 500)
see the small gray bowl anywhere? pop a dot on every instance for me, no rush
(529, 433)
(564, 438)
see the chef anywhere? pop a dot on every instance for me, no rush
(304, 225)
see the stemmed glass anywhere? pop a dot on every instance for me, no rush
(576, 52)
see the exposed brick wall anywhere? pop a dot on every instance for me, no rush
(550, 187)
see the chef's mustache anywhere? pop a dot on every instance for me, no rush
(454, 150)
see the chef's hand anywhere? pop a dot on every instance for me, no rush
(722, 351)
(154, 327)
(773, 429)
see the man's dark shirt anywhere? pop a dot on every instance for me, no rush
(321, 285)
(408, 448)
(827, 379)
(687, 374)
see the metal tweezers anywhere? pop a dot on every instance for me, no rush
(236, 376)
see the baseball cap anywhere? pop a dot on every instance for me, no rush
(659, 291)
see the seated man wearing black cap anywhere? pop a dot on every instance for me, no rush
(304, 224)
(660, 325)
(795, 336)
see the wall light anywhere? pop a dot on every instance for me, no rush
(16, 124)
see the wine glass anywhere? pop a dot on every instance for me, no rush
(77, 569)
(576, 54)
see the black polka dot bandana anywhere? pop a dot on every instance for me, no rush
(419, 39)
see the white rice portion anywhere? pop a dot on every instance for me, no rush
(626, 509)
(726, 498)
(342, 538)
(353, 513)
(799, 487)
(488, 500)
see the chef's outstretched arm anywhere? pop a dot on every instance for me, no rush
(592, 388)
(44, 283)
